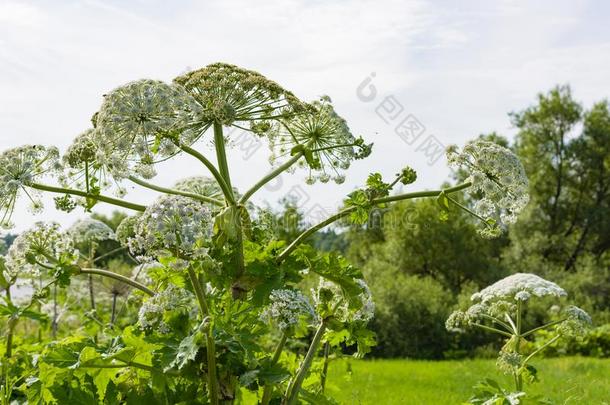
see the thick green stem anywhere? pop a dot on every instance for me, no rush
(119, 277)
(91, 292)
(292, 393)
(518, 377)
(325, 367)
(226, 190)
(420, 194)
(268, 390)
(165, 190)
(113, 251)
(221, 155)
(270, 177)
(102, 198)
(345, 212)
(113, 311)
(212, 380)
(8, 353)
(223, 167)
(131, 364)
(54, 323)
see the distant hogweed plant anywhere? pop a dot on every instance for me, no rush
(499, 309)
(214, 302)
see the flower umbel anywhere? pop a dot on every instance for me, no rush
(204, 186)
(498, 181)
(83, 171)
(42, 245)
(499, 309)
(137, 125)
(171, 302)
(287, 307)
(324, 137)
(230, 95)
(172, 225)
(330, 295)
(89, 230)
(19, 168)
(519, 286)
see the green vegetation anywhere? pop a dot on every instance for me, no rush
(569, 380)
(563, 235)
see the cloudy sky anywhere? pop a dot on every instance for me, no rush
(410, 76)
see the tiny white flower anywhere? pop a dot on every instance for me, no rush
(497, 174)
(88, 230)
(287, 307)
(43, 244)
(519, 284)
(171, 225)
(173, 299)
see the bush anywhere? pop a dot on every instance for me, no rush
(595, 343)
(410, 315)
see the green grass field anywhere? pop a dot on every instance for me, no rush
(570, 380)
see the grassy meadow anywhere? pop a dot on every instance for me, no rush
(570, 380)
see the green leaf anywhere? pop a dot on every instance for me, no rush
(143, 350)
(443, 203)
(89, 358)
(248, 378)
(187, 350)
(337, 269)
(272, 373)
(3, 282)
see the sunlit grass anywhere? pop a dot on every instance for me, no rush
(571, 380)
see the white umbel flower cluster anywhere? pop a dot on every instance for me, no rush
(287, 308)
(136, 123)
(89, 230)
(576, 321)
(19, 168)
(173, 225)
(44, 243)
(172, 301)
(82, 170)
(204, 186)
(519, 286)
(333, 145)
(497, 177)
(502, 299)
(231, 95)
(340, 304)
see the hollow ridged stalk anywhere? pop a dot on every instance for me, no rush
(345, 212)
(518, 377)
(292, 393)
(223, 167)
(102, 198)
(212, 380)
(268, 390)
(325, 367)
(221, 155)
(119, 277)
(273, 174)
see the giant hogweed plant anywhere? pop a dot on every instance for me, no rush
(221, 314)
(499, 309)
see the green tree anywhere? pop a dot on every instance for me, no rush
(567, 155)
(416, 242)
